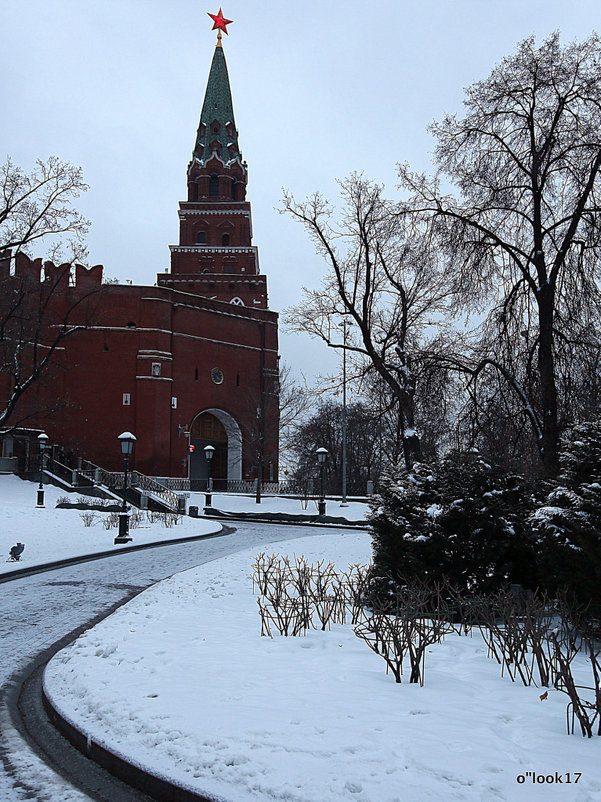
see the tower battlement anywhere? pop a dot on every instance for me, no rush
(60, 277)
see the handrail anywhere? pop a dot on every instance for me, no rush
(152, 486)
(114, 481)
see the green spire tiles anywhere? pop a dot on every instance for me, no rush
(217, 129)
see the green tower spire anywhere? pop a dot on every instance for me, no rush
(217, 128)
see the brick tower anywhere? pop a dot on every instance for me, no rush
(189, 362)
(215, 257)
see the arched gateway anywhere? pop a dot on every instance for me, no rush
(216, 428)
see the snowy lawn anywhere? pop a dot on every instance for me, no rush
(354, 511)
(53, 534)
(180, 682)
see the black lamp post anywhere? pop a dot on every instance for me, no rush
(127, 440)
(43, 441)
(209, 451)
(322, 455)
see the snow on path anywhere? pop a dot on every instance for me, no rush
(180, 682)
(37, 611)
(51, 534)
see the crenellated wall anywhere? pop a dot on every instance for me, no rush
(62, 276)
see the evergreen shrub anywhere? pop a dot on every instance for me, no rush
(463, 521)
(567, 526)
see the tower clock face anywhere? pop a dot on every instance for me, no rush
(217, 375)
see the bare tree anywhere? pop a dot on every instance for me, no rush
(391, 290)
(38, 206)
(524, 230)
(36, 317)
(324, 429)
(272, 415)
(37, 314)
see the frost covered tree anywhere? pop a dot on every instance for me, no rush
(38, 206)
(36, 317)
(385, 281)
(324, 428)
(463, 521)
(523, 230)
(568, 524)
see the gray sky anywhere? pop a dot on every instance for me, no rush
(320, 89)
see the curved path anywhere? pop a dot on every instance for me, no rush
(43, 612)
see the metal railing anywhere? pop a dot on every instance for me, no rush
(288, 487)
(90, 474)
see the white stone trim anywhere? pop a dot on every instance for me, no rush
(183, 212)
(234, 440)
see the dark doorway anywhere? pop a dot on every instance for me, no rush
(208, 430)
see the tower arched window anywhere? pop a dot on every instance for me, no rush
(225, 238)
(201, 236)
(214, 186)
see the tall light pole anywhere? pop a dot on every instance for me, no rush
(43, 441)
(344, 326)
(322, 455)
(209, 451)
(126, 440)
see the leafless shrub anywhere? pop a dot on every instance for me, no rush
(62, 500)
(385, 637)
(111, 521)
(88, 518)
(420, 619)
(585, 700)
(294, 592)
(353, 589)
(170, 519)
(135, 519)
(290, 616)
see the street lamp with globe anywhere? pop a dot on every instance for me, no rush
(127, 440)
(322, 455)
(43, 441)
(209, 451)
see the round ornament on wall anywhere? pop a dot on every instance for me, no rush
(217, 376)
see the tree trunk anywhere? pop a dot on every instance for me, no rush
(549, 443)
(412, 449)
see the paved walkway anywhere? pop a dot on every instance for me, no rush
(38, 611)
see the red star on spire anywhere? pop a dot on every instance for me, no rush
(219, 21)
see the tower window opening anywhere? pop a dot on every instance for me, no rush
(225, 239)
(214, 186)
(201, 236)
(195, 374)
(233, 190)
(237, 380)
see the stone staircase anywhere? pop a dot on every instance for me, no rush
(92, 480)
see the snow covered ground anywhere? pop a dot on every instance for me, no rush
(51, 534)
(180, 682)
(354, 511)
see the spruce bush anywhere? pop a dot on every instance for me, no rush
(567, 526)
(462, 521)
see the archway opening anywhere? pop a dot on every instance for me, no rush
(216, 428)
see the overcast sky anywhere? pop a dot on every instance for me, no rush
(320, 89)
